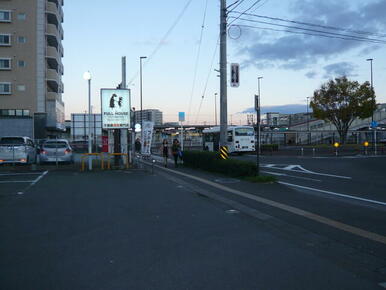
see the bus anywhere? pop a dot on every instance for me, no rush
(239, 139)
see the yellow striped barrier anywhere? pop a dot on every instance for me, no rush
(117, 154)
(224, 152)
(87, 155)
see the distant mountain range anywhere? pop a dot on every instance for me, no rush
(283, 109)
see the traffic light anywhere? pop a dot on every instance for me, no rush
(235, 75)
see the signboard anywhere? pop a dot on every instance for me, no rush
(181, 116)
(235, 75)
(147, 134)
(115, 104)
(374, 124)
(257, 103)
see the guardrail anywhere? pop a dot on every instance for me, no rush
(117, 154)
(87, 155)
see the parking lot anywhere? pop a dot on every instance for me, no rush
(12, 183)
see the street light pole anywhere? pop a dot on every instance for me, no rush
(259, 115)
(308, 123)
(140, 84)
(87, 77)
(371, 83)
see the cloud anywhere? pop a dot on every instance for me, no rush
(283, 109)
(311, 74)
(296, 51)
(339, 69)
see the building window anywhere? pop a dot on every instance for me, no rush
(5, 63)
(5, 16)
(21, 63)
(5, 39)
(19, 112)
(5, 88)
(21, 39)
(21, 88)
(25, 112)
(21, 16)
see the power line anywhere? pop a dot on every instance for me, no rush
(311, 24)
(245, 11)
(162, 41)
(237, 3)
(305, 33)
(197, 58)
(316, 31)
(208, 76)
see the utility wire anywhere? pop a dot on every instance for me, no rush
(197, 59)
(237, 3)
(207, 78)
(316, 31)
(306, 33)
(245, 11)
(162, 41)
(311, 24)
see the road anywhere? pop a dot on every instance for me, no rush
(62, 229)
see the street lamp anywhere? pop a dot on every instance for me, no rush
(140, 84)
(87, 77)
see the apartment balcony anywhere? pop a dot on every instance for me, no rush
(52, 96)
(53, 14)
(53, 80)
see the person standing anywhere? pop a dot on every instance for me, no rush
(176, 149)
(165, 151)
(137, 145)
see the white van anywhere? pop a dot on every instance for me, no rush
(17, 149)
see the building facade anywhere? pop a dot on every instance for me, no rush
(151, 115)
(31, 66)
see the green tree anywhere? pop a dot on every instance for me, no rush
(341, 101)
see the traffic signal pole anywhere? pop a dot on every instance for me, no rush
(223, 74)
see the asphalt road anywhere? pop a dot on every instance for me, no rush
(135, 230)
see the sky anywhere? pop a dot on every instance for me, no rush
(178, 75)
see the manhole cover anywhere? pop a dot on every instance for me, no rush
(226, 180)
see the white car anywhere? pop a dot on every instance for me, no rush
(17, 149)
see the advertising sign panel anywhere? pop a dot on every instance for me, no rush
(147, 133)
(115, 104)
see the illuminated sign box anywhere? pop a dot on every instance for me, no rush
(115, 106)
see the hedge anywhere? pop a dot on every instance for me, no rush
(210, 161)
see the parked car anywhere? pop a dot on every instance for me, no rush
(17, 149)
(79, 146)
(56, 150)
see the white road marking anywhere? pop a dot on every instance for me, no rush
(297, 211)
(334, 193)
(16, 174)
(33, 182)
(17, 181)
(302, 170)
(292, 176)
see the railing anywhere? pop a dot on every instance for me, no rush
(89, 155)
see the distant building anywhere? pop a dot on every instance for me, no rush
(152, 115)
(79, 127)
(31, 66)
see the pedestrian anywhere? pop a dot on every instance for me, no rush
(137, 145)
(165, 151)
(176, 151)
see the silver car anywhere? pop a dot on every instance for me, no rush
(56, 150)
(17, 149)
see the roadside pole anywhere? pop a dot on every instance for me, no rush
(223, 74)
(123, 135)
(257, 143)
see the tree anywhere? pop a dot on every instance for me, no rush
(341, 101)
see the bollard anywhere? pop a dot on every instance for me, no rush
(302, 151)
(152, 166)
(313, 152)
(336, 152)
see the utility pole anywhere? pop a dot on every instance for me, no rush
(223, 74)
(258, 120)
(308, 124)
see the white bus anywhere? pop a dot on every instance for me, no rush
(239, 139)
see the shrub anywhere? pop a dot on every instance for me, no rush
(211, 161)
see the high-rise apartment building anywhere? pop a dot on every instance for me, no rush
(152, 115)
(31, 66)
